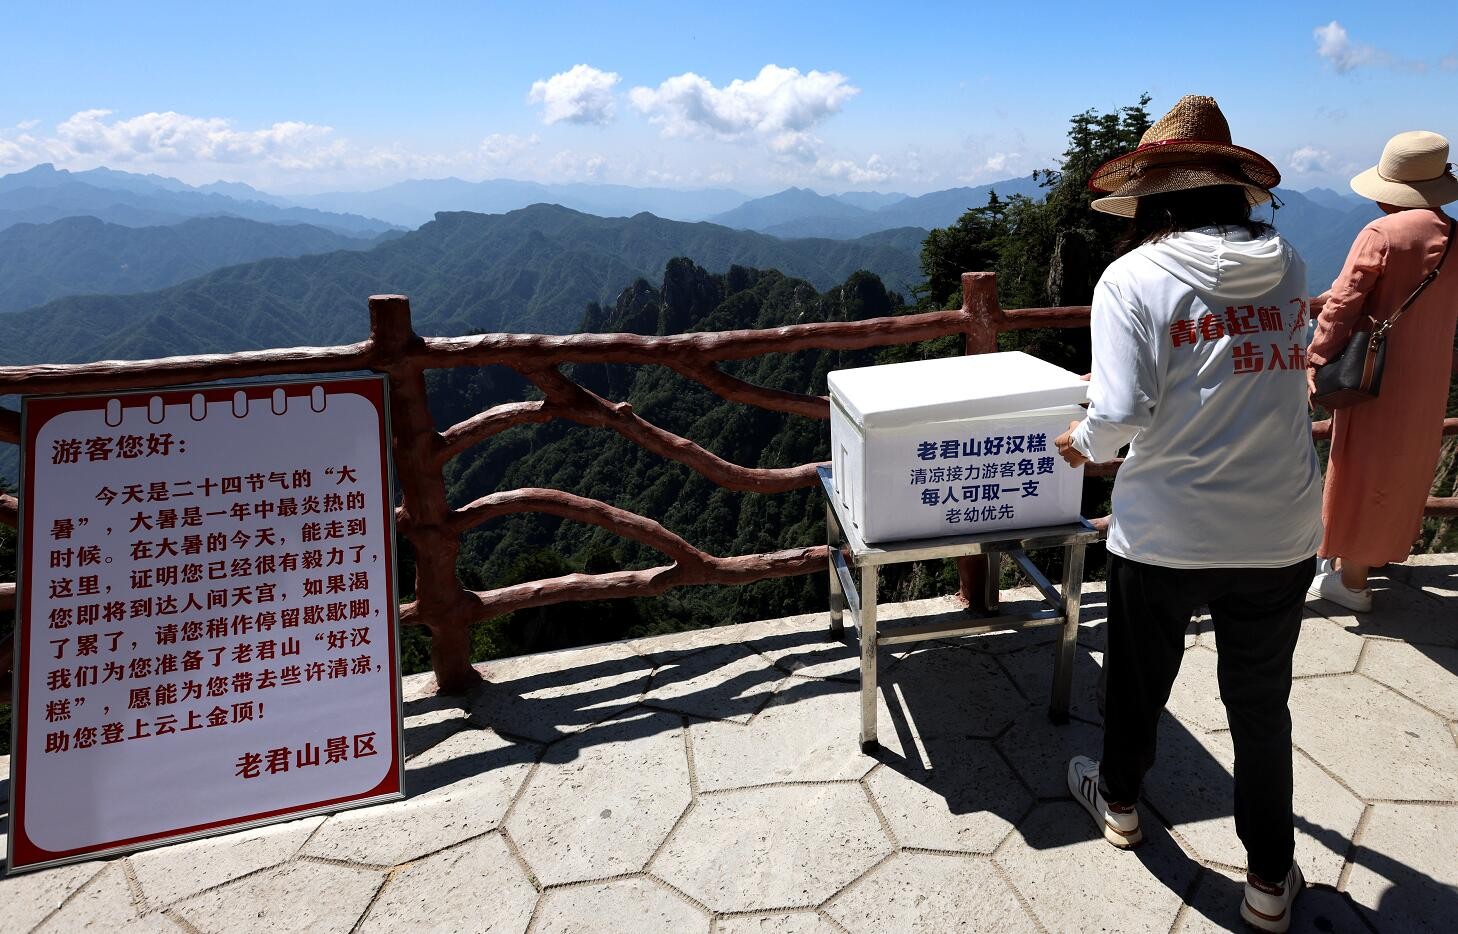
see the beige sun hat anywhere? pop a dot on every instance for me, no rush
(1189, 147)
(1414, 173)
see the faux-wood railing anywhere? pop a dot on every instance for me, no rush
(434, 528)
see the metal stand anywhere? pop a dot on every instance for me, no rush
(850, 554)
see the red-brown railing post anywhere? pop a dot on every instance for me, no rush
(442, 605)
(979, 305)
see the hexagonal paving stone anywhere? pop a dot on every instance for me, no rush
(1193, 788)
(1436, 575)
(776, 847)
(1039, 750)
(1325, 648)
(661, 650)
(1065, 870)
(1427, 674)
(544, 697)
(1378, 742)
(416, 686)
(926, 893)
(639, 904)
(25, 900)
(810, 732)
(477, 886)
(459, 789)
(430, 719)
(952, 692)
(300, 896)
(1403, 874)
(811, 652)
(601, 802)
(104, 903)
(791, 922)
(1215, 907)
(968, 800)
(1032, 671)
(730, 682)
(1195, 697)
(1398, 612)
(169, 873)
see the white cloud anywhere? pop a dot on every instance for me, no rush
(569, 165)
(1309, 159)
(778, 107)
(873, 171)
(173, 137)
(998, 161)
(501, 148)
(582, 94)
(1334, 45)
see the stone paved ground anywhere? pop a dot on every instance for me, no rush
(712, 782)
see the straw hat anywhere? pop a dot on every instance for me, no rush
(1414, 173)
(1188, 148)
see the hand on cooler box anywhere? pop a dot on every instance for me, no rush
(1070, 454)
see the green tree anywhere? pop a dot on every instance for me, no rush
(1047, 252)
(973, 243)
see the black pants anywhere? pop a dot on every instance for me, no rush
(1257, 613)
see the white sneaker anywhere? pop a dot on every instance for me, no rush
(1329, 586)
(1324, 565)
(1120, 828)
(1268, 907)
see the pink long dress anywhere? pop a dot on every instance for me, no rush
(1384, 452)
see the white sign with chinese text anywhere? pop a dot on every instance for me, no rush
(956, 477)
(206, 628)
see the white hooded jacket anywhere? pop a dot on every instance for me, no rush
(1199, 365)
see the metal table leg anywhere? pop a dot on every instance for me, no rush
(992, 585)
(868, 657)
(1068, 642)
(837, 593)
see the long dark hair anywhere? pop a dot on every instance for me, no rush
(1160, 215)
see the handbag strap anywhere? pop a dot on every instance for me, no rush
(1387, 325)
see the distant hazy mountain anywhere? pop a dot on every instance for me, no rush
(84, 255)
(415, 202)
(800, 212)
(1336, 200)
(795, 204)
(44, 194)
(871, 200)
(1322, 235)
(244, 193)
(535, 269)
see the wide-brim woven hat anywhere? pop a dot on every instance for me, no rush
(1414, 172)
(1189, 147)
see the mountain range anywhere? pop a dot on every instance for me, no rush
(81, 255)
(800, 212)
(535, 269)
(412, 203)
(44, 193)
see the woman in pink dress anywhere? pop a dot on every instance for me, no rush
(1384, 452)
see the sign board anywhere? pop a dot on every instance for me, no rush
(955, 477)
(206, 625)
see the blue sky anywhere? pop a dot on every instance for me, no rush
(309, 96)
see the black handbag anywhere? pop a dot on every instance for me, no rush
(1355, 375)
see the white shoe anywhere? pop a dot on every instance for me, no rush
(1324, 565)
(1268, 907)
(1329, 586)
(1120, 828)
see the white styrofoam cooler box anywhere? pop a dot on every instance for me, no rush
(954, 446)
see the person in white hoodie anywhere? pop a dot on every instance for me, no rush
(1199, 336)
